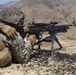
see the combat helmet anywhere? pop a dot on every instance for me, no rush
(11, 15)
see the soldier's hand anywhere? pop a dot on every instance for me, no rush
(9, 31)
(32, 39)
(26, 28)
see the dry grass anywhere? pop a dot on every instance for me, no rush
(71, 37)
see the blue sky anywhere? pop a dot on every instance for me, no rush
(6, 1)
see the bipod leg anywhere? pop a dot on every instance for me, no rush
(39, 46)
(52, 54)
(52, 46)
(56, 39)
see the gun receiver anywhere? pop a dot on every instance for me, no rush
(52, 28)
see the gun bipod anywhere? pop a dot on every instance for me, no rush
(48, 39)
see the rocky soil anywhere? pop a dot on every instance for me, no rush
(42, 62)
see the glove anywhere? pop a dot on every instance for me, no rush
(9, 31)
(32, 39)
(26, 29)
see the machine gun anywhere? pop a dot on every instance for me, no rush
(52, 28)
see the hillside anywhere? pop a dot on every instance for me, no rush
(46, 11)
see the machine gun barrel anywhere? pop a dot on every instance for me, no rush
(43, 27)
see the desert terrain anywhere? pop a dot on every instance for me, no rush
(42, 62)
(45, 61)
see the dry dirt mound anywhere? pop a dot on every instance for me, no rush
(41, 64)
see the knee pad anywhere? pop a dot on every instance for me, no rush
(5, 57)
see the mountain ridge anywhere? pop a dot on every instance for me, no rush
(46, 11)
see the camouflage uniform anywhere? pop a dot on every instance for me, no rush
(19, 49)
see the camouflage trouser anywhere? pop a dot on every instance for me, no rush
(19, 49)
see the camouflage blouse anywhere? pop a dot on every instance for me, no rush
(19, 49)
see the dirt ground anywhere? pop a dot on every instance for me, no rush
(47, 62)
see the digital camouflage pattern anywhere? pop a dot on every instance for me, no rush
(11, 15)
(19, 49)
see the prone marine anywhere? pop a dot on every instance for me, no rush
(12, 34)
